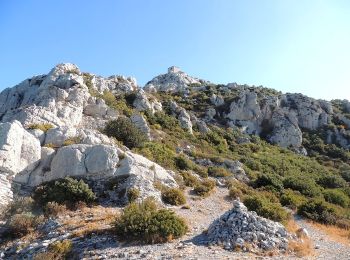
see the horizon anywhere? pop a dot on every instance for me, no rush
(291, 47)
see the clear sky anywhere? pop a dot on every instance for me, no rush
(290, 45)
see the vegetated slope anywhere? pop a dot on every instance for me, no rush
(269, 149)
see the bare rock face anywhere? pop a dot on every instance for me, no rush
(53, 98)
(174, 81)
(245, 112)
(19, 152)
(286, 133)
(140, 122)
(239, 227)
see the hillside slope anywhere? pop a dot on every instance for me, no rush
(276, 152)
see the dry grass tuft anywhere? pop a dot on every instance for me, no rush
(333, 232)
(302, 247)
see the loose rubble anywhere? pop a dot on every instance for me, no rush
(240, 228)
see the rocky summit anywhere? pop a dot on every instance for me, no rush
(90, 164)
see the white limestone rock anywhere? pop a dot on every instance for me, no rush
(286, 133)
(173, 81)
(217, 100)
(142, 174)
(19, 152)
(140, 122)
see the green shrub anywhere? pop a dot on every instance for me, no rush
(173, 196)
(269, 180)
(304, 185)
(218, 172)
(189, 179)
(201, 171)
(235, 193)
(144, 222)
(125, 131)
(332, 181)
(159, 153)
(182, 163)
(346, 175)
(133, 194)
(43, 127)
(204, 188)
(319, 211)
(292, 199)
(61, 249)
(62, 191)
(265, 208)
(336, 196)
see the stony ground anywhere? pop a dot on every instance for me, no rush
(88, 229)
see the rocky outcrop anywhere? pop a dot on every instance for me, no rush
(19, 152)
(141, 123)
(286, 132)
(142, 103)
(239, 228)
(173, 81)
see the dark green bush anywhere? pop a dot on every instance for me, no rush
(125, 131)
(133, 194)
(346, 175)
(204, 188)
(292, 199)
(173, 196)
(332, 181)
(270, 180)
(304, 185)
(144, 222)
(336, 196)
(182, 163)
(265, 208)
(62, 191)
(218, 172)
(319, 211)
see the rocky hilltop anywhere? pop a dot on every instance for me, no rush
(53, 126)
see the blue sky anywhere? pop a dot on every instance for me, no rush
(293, 46)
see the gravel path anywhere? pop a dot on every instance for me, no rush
(325, 247)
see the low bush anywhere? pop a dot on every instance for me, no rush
(17, 206)
(43, 127)
(61, 249)
(144, 222)
(332, 181)
(22, 224)
(292, 199)
(269, 180)
(319, 211)
(218, 172)
(265, 208)
(189, 179)
(235, 193)
(72, 140)
(336, 196)
(173, 196)
(62, 191)
(53, 209)
(125, 131)
(182, 163)
(204, 188)
(133, 194)
(305, 186)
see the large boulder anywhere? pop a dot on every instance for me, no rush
(19, 152)
(286, 132)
